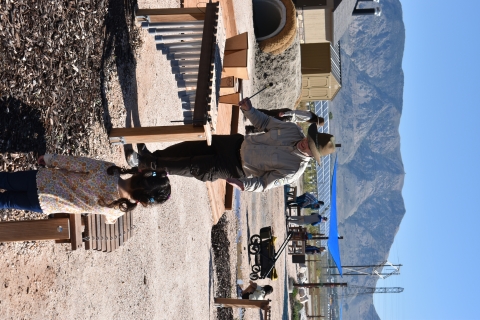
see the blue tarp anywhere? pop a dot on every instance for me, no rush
(333, 245)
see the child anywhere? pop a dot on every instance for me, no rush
(81, 185)
(313, 249)
(255, 292)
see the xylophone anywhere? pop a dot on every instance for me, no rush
(193, 41)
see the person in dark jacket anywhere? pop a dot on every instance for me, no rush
(314, 219)
(306, 200)
(313, 249)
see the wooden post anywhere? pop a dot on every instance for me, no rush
(235, 118)
(320, 284)
(157, 134)
(75, 230)
(314, 237)
(172, 14)
(205, 65)
(233, 98)
(49, 229)
(241, 303)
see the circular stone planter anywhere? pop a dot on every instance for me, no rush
(269, 17)
(275, 24)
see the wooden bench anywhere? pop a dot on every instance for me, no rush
(245, 303)
(75, 229)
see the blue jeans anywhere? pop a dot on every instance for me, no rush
(20, 191)
(300, 201)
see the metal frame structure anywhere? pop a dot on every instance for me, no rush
(194, 48)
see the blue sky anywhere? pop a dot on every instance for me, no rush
(439, 239)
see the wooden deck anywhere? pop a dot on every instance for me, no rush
(217, 190)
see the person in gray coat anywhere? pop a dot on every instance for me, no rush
(251, 163)
(314, 219)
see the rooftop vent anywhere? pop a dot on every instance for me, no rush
(367, 11)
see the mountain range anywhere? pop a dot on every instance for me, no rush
(366, 117)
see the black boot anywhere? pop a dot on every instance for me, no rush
(142, 149)
(147, 162)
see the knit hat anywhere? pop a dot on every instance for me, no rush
(321, 144)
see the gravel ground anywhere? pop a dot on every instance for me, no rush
(71, 70)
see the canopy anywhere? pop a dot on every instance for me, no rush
(333, 245)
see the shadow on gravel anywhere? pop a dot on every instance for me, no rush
(221, 258)
(21, 127)
(118, 50)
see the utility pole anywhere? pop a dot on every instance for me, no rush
(320, 284)
(356, 290)
(382, 270)
(322, 237)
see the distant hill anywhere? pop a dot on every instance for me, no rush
(367, 113)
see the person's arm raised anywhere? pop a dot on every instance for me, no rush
(259, 119)
(245, 104)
